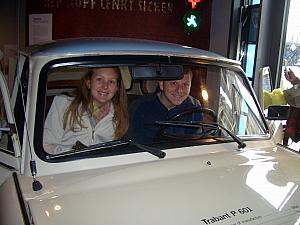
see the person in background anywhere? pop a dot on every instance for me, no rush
(282, 97)
(291, 77)
(292, 96)
(95, 112)
(171, 98)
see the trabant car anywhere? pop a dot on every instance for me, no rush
(233, 169)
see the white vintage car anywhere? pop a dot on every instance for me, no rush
(232, 169)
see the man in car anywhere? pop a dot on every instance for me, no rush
(171, 99)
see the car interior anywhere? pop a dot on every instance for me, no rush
(64, 80)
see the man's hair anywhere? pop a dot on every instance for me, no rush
(187, 70)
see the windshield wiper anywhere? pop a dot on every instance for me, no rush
(154, 151)
(199, 124)
(80, 148)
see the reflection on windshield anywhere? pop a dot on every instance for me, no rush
(238, 111)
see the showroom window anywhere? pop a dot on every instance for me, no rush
(291, 55)
(249, 36)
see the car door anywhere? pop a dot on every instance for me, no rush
(10, 151)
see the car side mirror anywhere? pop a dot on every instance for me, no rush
(278, 112)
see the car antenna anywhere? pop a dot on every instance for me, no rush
(36, 185)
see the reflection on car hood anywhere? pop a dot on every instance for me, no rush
(256, 186)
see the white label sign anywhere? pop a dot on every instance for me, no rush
(40, 28)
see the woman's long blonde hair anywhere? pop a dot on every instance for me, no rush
(81, 105)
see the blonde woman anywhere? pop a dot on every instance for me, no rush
(95, 112)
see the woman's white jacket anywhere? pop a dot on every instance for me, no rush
(57, 139)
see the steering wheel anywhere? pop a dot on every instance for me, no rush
(206, 111)
(207, 115)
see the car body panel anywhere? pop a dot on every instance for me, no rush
(189, 190)
(121, 46)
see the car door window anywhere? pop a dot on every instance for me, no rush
(4, 129)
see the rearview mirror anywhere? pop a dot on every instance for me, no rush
(157, 72)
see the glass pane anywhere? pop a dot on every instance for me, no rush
(237, 107)
(291, 56)
(221, 91)
(255, 2)
(250, 60)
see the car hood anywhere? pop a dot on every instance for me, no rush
(253, 186)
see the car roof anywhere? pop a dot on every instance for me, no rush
(121, 46)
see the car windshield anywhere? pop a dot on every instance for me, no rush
(164, 106)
